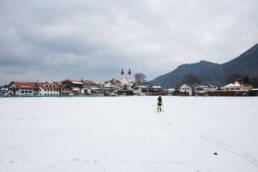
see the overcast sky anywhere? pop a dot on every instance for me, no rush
(49, 40)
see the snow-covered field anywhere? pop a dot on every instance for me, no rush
(125, 134)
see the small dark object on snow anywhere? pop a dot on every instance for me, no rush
(215, 153)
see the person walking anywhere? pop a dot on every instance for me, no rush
(159, 104)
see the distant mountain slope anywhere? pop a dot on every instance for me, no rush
(245, 64)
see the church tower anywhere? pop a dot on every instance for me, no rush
(129, 78)
(126, 79)
(122, 75)
(123, 79)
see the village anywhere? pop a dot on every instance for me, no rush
(126, 86)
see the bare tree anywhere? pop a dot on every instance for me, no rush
(254, 82)
(176, 86)
(233, 77)
(246, 80)
(192, 80)
(140, 78)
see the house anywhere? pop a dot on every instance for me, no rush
(113, 83)
(48, 89)
(253, 92)
(16, 88)
(148, 89)
(169, 91)
(71, 87)
(92, 88)
(91, 83)
(111, 87)
(237, 86)
(186, 89)
(203, 89)
(3, 90)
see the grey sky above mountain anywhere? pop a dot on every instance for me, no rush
(92, 39)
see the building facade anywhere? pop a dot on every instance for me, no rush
(126, 79)
(237, 86)
(48, 89)
(186, 89)
(22, 88)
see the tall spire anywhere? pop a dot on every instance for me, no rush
(129, 72)
(122, 72)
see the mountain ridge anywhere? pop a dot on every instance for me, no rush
(246, 64)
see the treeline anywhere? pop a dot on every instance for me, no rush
(192, 79)
(245, 79)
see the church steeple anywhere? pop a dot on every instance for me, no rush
(129, 76)
(129, 72)
(126, 78)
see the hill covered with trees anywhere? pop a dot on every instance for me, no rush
(245, 64)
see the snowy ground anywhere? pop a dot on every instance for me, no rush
(125, 134)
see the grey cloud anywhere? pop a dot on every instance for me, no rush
(54, 40)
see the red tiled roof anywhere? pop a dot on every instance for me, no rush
(24, 84)
(46, 85)
(113, 81)
(57, 83)
(34, 85)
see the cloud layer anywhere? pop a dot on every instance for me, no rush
(93, 39)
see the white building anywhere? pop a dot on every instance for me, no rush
(22, 88)
(170, 90)
(126, 79)
(3, 90)
(113, 83)
(186, 89)
(48, 89)
(202, 89)
(237, 86)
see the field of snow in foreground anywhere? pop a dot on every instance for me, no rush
(125, 134)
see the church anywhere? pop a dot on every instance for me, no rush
(126, 79)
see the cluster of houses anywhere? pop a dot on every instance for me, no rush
(236, 88)
(113, 87)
